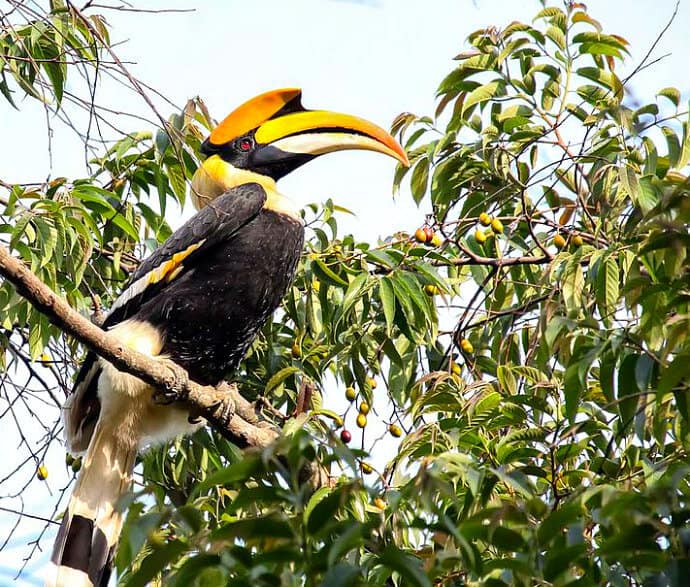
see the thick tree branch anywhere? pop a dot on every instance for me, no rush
(244, 427)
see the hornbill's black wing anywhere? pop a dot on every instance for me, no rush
(216, 223)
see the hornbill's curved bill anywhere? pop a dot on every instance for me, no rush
(273, 134)
(199, 300)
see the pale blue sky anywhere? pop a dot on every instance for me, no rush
(374, 59)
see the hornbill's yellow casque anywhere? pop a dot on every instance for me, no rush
(198, 300)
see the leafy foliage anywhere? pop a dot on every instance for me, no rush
(531, 344)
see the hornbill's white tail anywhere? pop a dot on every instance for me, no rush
(91, 525)
(114, 413)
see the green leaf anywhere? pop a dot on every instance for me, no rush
(177, 181)
(348, 540)
(326, 274)
(607, 288)
(673, 145)
(409, 567)
(322, 507)
(628, 391)
(556, 521)
(605, 78)
(279, 377)
(155, 562)
(671, 94)
(419, 179)
(677, 371)
(484, 93)
(584, 17)
(241, 471)
(387, 297)
(270, 526)
(342, 575)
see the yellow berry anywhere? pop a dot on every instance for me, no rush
(466, 346)
(371, 382)
(577, 241)
(361, 420)
(455, 369)
(366, 468)
(379, 503)
(395, 430)
(45, 358)
(316, 284)
(497, 226)
(479, 236)
(42, 472)
(350, 394)
(559, 241)
(364, 408)
(485, 219)
(430, 290)
(436, 240)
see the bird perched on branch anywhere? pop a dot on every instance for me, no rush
(199, 300)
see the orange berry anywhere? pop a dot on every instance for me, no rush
(559, 241)
(379, 503)
(497, 226)
(420, 235)
(577, 241)
(479, 236)
(395, 430)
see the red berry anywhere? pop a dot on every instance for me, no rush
(345, 436)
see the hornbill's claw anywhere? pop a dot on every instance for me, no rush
(225, 409)
(176, 390)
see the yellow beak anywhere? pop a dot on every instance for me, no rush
(315, 132)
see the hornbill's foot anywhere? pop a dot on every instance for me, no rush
(225, 409)
(176, 390)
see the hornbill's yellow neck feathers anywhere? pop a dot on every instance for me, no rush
(272, 134)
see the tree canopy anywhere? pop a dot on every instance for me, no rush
(525, 354)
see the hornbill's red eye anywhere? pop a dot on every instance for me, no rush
(245, 144)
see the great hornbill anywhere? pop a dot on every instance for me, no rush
(199, 300)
